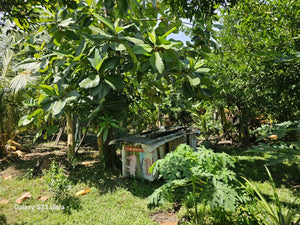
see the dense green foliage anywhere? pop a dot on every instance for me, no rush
(109, 66)
(256, 67)
(97, 59)
(280, 140)
(196, 176)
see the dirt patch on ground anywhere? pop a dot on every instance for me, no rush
(41, 156)
(165, 218)
(10, 172)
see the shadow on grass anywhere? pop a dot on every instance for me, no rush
(109, 179)
(283, 174)
(252, 166)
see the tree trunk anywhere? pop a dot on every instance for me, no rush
(244, 131)
(223, 119)
(9, 124)
(70, 133)
(107, 152)
(100, 144)
(1, 144)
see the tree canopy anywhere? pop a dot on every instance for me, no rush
(111, 64)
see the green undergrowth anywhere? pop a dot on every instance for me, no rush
(117, 200)
(112, 200)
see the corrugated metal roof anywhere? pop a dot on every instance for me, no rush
(159, 136)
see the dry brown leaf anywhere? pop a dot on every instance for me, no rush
(273, 137)
(43, 198)
(23, 198)
(169, 223)
(12, 148)
(83, 192)
(20, 153)
(8, 177)
(3, 201)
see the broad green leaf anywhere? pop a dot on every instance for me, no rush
(164, 46)
(81, 47)
(194, 81)
(123, 7)
(57, 107)
(90, 82)
(134, 40)
(152, 36)
(105, 21)
(101, 90)
(6, 61)
(99, 34)
(24, 121)
(168, 32)
(202, 70)
(48, 90)
(38, 134)
(117, 46)
(188, 90)
(115, 82)
(35, 113)
(96, 59)
(30, 102)
(71, 35)
(61, 53)
(29, 64)
(142, 49)
(66, 22)
(71, 96)
(170, 56)
(57, 38)
(111, 63)
(133, 56)
(207, 92)
(156, 62)
(89, 2)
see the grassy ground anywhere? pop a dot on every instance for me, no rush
(112, 200)
(117, 200)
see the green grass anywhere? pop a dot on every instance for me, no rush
(113, 200)
(117, 200)
(115, 206)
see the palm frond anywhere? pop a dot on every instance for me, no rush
(6, 60)
(22, 80)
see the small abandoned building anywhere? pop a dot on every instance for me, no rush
(140, 151)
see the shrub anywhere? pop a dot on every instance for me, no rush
(57, 181)
(196, 176)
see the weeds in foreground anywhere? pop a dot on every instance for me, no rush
(268, 214)
(58, 182)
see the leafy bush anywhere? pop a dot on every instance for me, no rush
(196, 176)
(268, 214)
(57, 181)
(279, 140)
(288, 130)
